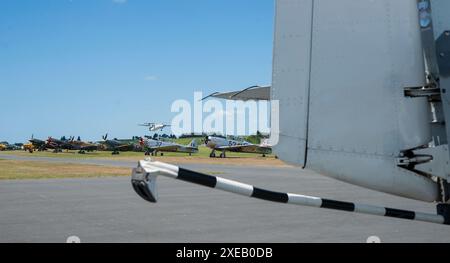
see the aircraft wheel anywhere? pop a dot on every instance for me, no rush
(162, 154)
(212, 155)
(222, 155)
(263, 155)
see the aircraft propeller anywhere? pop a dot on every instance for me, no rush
(141, 141)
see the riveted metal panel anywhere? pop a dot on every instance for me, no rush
(364, 54)
(290, 82)
(379, 173)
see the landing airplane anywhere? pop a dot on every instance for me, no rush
(154, 126)
(222, 144)
(117, 146)
(359, 116)
(154, 146)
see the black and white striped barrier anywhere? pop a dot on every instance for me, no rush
(144, 183)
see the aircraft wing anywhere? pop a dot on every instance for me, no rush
(124, 147)
(251, 93)
(166, 148)
(251, 148)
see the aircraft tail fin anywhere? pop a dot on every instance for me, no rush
(193, 143)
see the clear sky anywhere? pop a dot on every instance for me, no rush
(87, 67)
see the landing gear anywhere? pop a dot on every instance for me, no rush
(222, 155)
(115, 152)
(263, 155)
(147, 153)
(212, 154)
(162, 154)
(82, 152)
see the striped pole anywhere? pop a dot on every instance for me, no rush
(144, 183)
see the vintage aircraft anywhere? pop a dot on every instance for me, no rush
(2, 147)
(39, 145)
(154, 146)
(59, 145)
(28, 147)
(154, 126)
(223, 145)
(83, 147)
(118, 145)
(363, 98)
(10, 147)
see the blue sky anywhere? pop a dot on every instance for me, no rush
(86, 67)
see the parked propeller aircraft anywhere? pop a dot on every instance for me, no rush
(117, 145)
(82, 146)
(154, 126)
(154, 146)
(223, 145)
(28, 147)
(358, 115)
(11, 147)
(59, 145)
(37, 144)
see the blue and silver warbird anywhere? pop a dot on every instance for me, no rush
(152, 147)
(223, 145)
(363, 91)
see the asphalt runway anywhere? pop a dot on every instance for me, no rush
(108, 210)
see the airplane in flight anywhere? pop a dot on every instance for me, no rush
(154, 146)
(361, 116)
(119, 145)
(152, 126)
(216, 143)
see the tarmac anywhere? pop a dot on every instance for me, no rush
(108, 210)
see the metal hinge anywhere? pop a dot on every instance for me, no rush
(408, 161)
